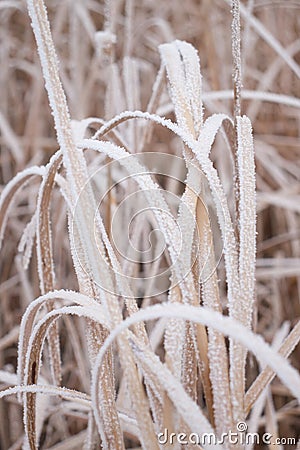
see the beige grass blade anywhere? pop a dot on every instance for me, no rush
(45, 257)
(267, 375)
(183, 70)
(218, 373)
(242, 309)
(9, 192)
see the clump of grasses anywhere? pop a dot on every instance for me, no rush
(136, 339)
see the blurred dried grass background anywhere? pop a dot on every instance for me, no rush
(93, 89)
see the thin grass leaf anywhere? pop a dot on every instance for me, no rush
(45, 256)
(9, 192)
(269, 38)
(242, 308)
(183, 69)
(12, 140)
(216, 351)
(68, 394)
(236, 57)
(267, 375)
(27, 241)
